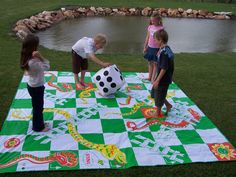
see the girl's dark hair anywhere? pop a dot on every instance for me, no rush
(158, 17)
(161, 35)
(29, 45)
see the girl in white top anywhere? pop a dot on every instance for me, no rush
(84, 49)
(34, 64)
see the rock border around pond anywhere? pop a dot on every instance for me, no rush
(45, 19)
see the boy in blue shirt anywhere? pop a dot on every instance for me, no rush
(165, 69)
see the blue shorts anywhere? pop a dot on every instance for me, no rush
(151, 54)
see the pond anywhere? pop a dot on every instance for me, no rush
(127, 34)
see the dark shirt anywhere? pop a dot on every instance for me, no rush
(165, 60)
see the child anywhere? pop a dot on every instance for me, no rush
(165, 69)
(150, 47)
(33, 63)
(82, 50)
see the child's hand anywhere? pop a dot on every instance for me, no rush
(144, 50)
(155, 84)
(36, 54)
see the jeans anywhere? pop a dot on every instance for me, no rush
(37, 95)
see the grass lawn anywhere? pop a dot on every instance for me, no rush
(208, 79)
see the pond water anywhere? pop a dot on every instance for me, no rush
(127, 34)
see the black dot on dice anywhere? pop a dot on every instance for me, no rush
(98, 78)
(106, 73)
(109, 79)
(121, 78)
(113, 85)
(105, 90)
(101, 84)
(116, 69)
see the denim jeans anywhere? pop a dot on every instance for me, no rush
(37, 95)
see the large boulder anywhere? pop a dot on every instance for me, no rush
(146, 11)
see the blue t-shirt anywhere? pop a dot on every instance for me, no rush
(165, 60)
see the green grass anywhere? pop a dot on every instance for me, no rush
(208, 79)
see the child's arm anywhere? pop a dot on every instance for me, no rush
(98, 61)
(146, 42)
(44, 62)
(160, 76)
(36, 54)
(163, 66)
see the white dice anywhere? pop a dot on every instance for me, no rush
(108, 80)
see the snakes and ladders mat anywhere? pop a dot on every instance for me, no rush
(89, 131)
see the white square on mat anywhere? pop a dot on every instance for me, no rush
(88, 159)
(89, 126)
(110, 113)
(212, 136)
(64, 95)
(145, 156)
(85, 102)
(65, 79)
(199, 153)
(71, 111)
(64, 142)
(22, 94)
(137, 123)
(121, 140)
(19, 139)
(168, 138)
(19, 114)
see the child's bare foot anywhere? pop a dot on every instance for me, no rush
(168, 108)
(155, 114)
(84, 84)
(79, 86)
(46, 127)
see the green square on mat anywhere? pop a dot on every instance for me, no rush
(136, 141)
(15, 128)
(184, 100)
(130, 157)
(129, 113)
(6, 157)
(120, 94)
(205, 124)
(189, 137)
(113, 125)
(50, 78)
(154, 127)
(173, 86)
(32, 144)
(48, 116)
(22, 103)
(177, 155)
(69, 103)
(94, 138)
(59, 124)
(109, 102)
(52, 92)
(62, 73)
(95, 116)
(87, 79)
(23, 85)
(79, 94)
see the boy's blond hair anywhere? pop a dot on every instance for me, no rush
(101, 39)
(161, 35)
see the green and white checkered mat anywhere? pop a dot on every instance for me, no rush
(89, 131)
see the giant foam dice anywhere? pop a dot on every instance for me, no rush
(108, 80)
